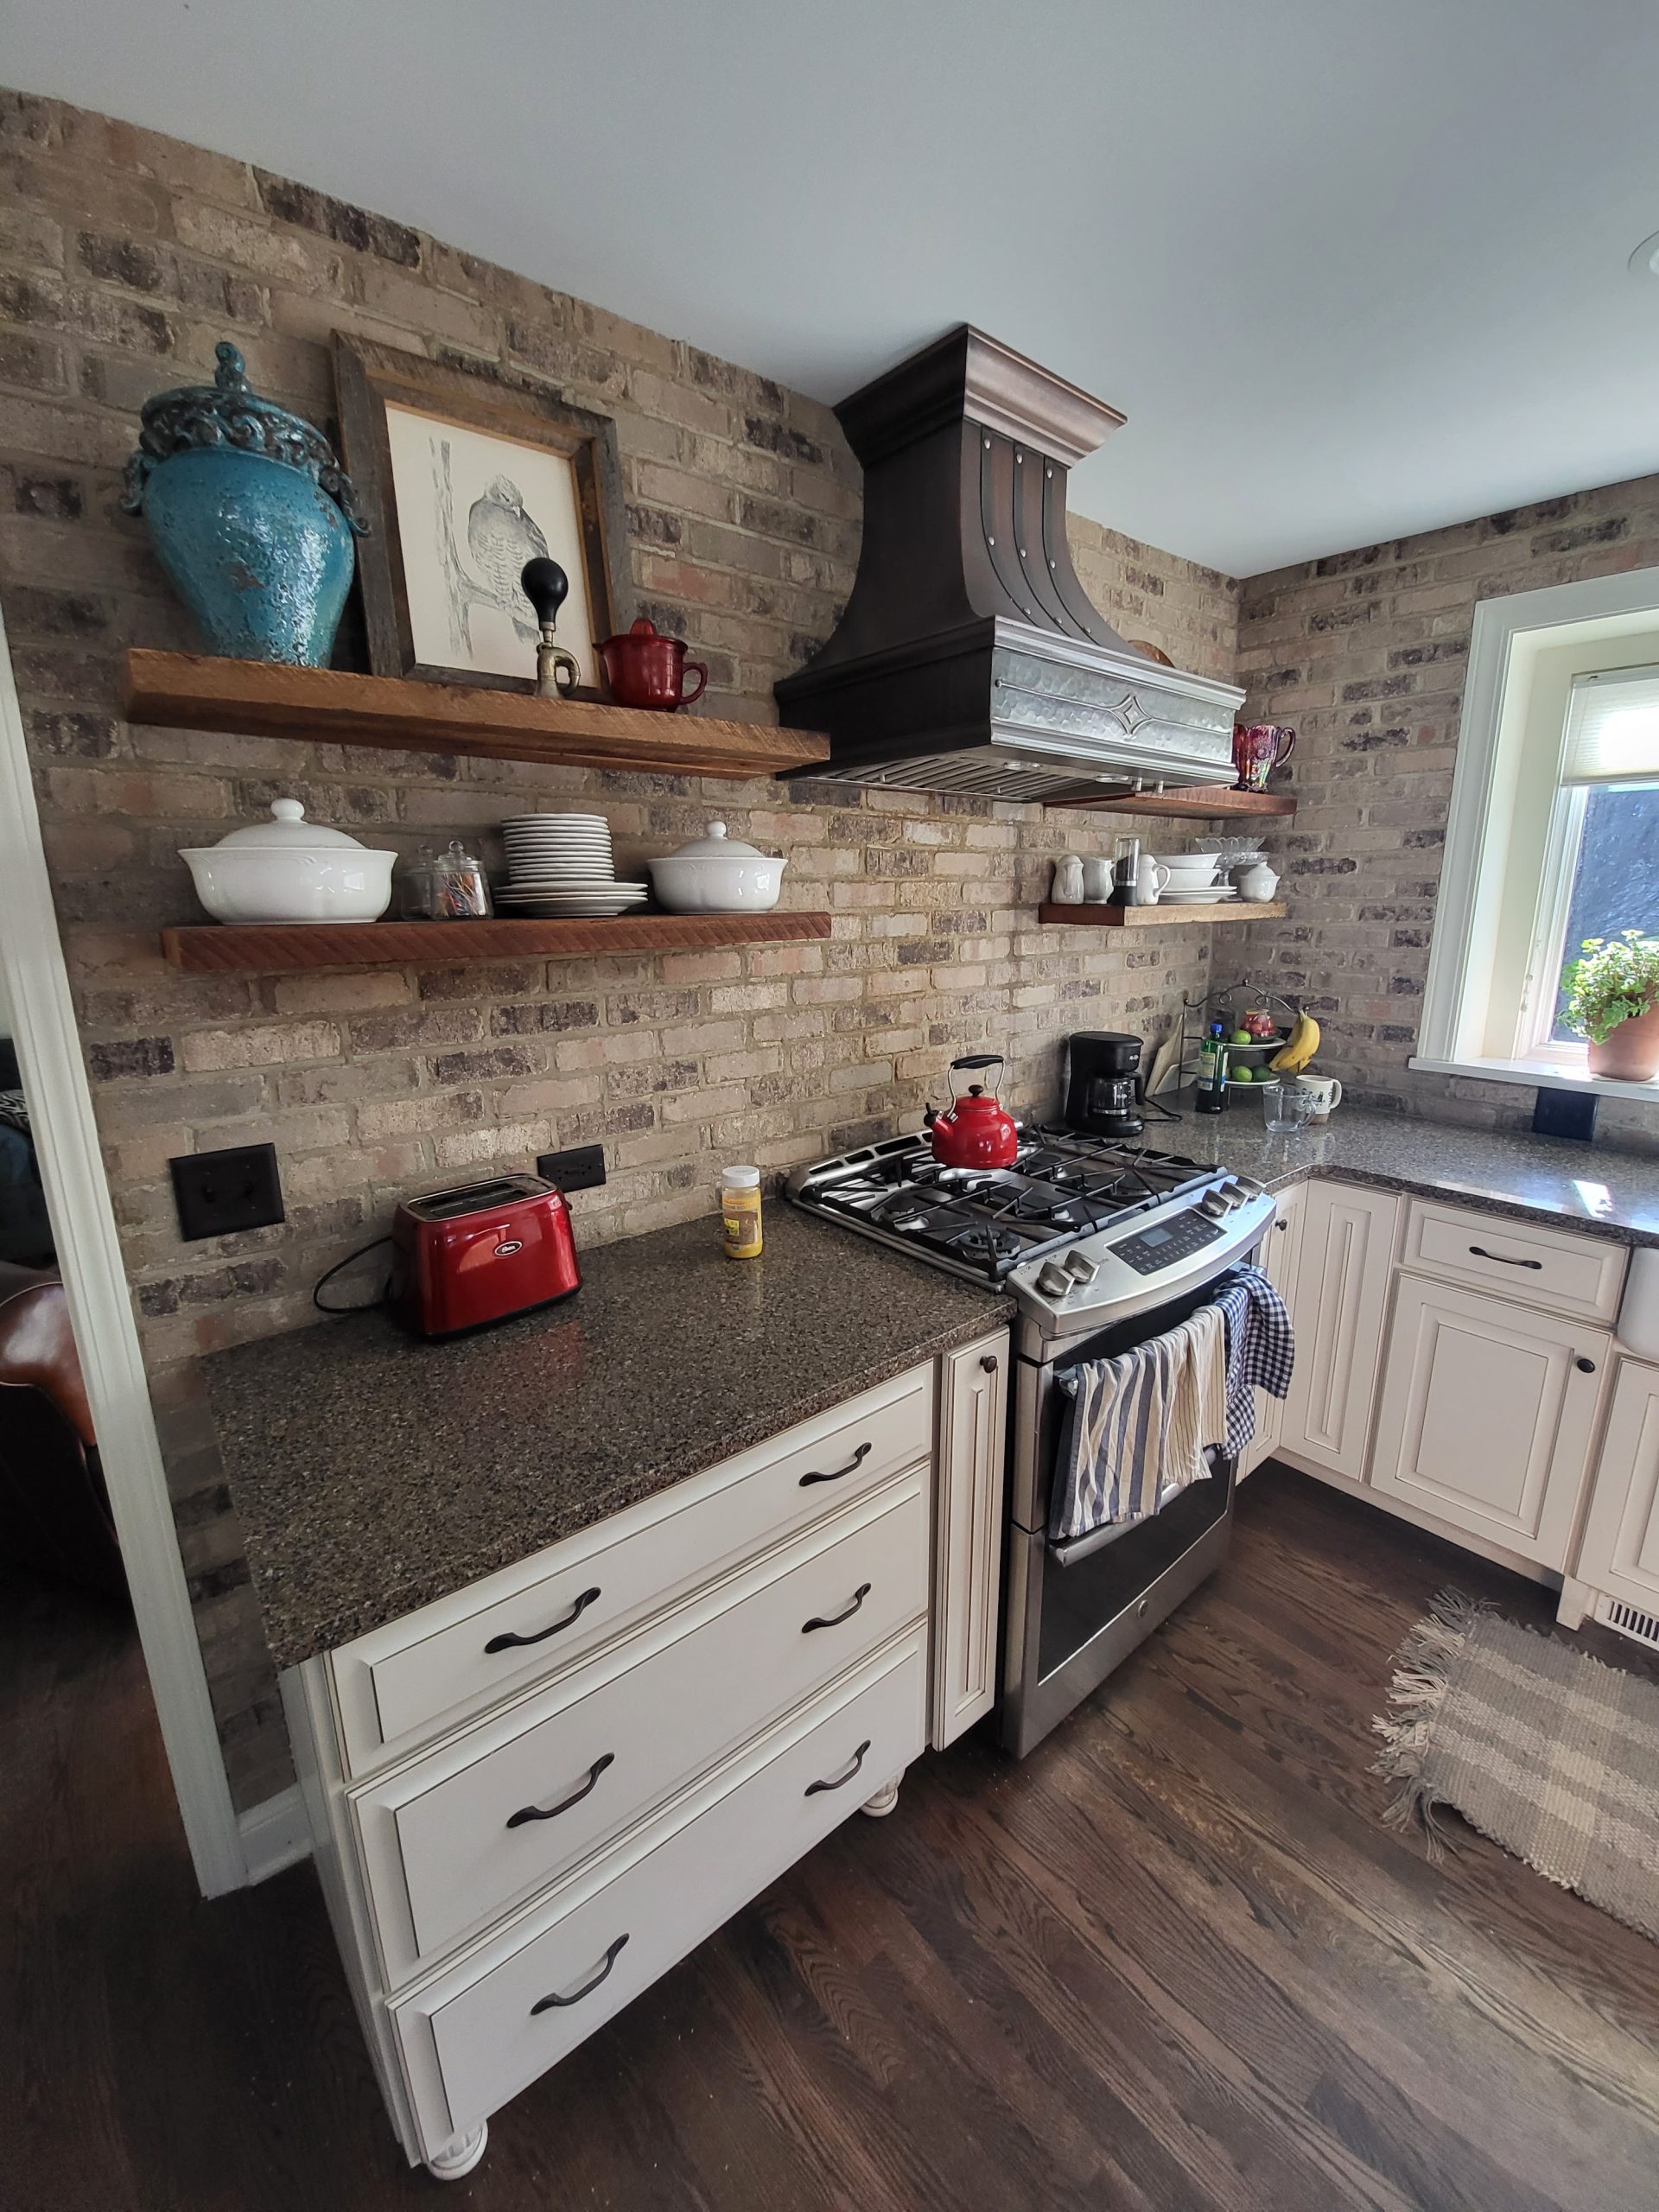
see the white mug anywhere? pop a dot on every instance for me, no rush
(1327, 1093)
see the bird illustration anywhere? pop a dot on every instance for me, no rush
(502, 537)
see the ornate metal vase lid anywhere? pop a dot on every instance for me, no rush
(227, 414)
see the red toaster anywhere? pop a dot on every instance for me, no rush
(479, 1253)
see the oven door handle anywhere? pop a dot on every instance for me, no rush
(1072, 1549)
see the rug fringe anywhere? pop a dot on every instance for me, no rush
(1415, 1694)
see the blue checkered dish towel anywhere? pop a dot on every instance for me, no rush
(1260, 1348)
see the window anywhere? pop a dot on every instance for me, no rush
(1554, 830)
(1601, 868)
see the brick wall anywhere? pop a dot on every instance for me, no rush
(1364, 653)
(123, 257)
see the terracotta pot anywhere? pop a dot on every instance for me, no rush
(1631, 1052)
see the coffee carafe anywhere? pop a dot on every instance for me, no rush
(1102, 1090)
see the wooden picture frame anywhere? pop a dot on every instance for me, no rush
(407, 420)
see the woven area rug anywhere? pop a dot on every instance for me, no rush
(1542, 1748)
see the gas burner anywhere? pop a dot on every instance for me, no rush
(985, 1242)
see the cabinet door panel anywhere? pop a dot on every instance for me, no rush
(967, 1559)
(1344, 1266)
(1485, 1417)
(1620, 1551)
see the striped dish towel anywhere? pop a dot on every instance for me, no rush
(1260, 1348)
(1138, 1427)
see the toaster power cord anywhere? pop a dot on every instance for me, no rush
(338, 1268)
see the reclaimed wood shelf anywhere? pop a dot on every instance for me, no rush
(257, 698)
(1189, 803)
(1157, 918)
(271, 948)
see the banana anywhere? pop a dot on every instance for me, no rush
(1299, 1047)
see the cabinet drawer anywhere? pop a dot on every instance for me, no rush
(478, 2035)
(402, 1685)
(442, 1854)
(1563, 1273)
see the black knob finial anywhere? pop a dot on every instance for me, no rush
(546, 586)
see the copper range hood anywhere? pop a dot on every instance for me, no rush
(970, 657)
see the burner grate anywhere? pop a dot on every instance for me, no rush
(986, 1221)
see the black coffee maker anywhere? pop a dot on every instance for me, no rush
(1103, 1090)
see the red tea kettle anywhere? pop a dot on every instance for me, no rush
(974, 1131)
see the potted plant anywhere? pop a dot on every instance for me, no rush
(1612, 1000)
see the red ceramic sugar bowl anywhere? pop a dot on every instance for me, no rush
(644, 670)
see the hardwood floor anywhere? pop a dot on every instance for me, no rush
(1174, 1961)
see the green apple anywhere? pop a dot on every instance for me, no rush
(1241, 1037)
(1242, 1075)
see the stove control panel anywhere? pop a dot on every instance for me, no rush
(1157, 1247)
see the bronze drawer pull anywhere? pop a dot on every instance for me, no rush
(551, 1812)
(836, 1473)
(507, 1643)
(1480, 1252)
(813, 1788)
(835, 1620)
(547, 2003)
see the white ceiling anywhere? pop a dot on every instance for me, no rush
(1350, 269)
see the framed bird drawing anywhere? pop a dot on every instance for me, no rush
(464, 479)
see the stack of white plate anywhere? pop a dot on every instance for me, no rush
(563, 864)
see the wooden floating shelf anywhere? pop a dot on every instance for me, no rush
(271, 948)
(257, 698)
(1189, 803)
(1157, 918)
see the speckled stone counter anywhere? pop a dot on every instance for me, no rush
(1587, 1186)
(374, 1472)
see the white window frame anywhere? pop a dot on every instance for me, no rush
(1548, 947)
(1506, 632)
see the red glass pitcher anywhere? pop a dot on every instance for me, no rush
(644, 669)
(1258, 749)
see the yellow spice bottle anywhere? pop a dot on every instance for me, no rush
(739, 1211)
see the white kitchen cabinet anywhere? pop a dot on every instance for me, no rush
(968, 1562)
(1279, 1258)
(511, 1847)
(1486, 1415)
(1619, 1553)
(1345, 1261)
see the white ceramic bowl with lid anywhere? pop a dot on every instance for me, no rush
(717, 874)
(290, 870)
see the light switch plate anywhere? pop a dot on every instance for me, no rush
(220, 1193)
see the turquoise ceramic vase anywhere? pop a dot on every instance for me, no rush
(252, 516)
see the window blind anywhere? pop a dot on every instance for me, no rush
(1612, 727)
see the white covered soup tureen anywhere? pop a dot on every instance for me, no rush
(290, 870)
(717, 874)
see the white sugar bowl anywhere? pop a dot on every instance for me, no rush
(290, 870)
(717, 874)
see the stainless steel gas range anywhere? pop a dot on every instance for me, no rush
(1101, 1246)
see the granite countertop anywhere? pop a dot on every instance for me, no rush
(374, 1471)
(1568, 1185)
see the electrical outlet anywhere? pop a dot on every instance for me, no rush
(582, 1168)
(218, 1194)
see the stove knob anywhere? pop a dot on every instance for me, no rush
(1234, 1191)
(1214, 1204)
(1053, 1281)
(1079, 1265)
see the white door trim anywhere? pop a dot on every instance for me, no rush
(100, 1310)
